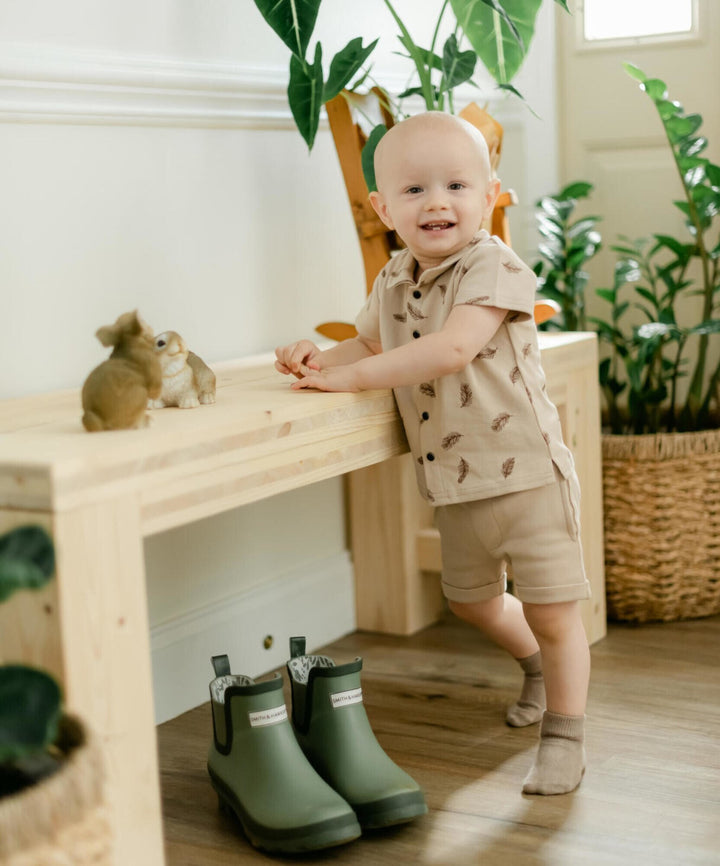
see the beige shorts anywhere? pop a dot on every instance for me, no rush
(536, 531)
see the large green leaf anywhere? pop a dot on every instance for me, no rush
(367, 156)
(292, 20)
(27, 560)
(458, 66)
(500, 40)
(29, 711)
(344, 65)
(577, 189)
(305, 95)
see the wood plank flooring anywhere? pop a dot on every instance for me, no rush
(436, 700)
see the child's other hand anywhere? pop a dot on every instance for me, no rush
(298, 358)
(330, 379)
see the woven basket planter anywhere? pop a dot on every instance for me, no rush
(662, 525)
(60, 821)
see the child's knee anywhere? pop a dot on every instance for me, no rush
(477, 611)
(552, 620)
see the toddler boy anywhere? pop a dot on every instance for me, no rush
(449, 327)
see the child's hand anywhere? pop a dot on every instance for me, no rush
(330, 379)
(298, 358)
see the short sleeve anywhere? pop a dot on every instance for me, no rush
(367, 321)
(492, 275)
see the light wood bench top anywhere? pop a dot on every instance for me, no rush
(258, 439)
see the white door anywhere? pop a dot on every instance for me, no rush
(610, 133)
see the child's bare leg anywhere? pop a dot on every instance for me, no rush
(560, 761)
(503, 621)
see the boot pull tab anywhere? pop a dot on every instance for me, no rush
(221, 664)
(297, 647)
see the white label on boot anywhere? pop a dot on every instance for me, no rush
(268, 717)
(344, 699)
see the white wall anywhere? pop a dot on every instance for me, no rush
(148, 159)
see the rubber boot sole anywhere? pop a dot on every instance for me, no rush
(293, 840)
(398, 809)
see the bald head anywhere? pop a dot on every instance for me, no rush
(423, 134)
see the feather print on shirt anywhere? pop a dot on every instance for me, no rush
(466, 395)
(479, 301)
(511, 268)
(487, 354)
(400, 317)
(450, 440)
(427, 389)
(508, 467)
(463, 469)
(415, 312)
(499, 423)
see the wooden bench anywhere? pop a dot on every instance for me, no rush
(101, 494)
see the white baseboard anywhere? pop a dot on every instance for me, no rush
(316, 601)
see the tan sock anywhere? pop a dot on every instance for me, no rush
(560, 761)
(528, 709)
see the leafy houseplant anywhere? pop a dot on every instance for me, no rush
(661, 456)
(498, 32)
(641, 379)
(29, 698)
(51, 772)
(566, 246)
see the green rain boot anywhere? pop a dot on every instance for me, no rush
(260, 773)
(333, 729)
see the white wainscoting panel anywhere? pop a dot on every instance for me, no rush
(316, 601)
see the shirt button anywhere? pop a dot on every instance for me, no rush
(416, 334)
(430, 456)
(417, 293)
(425, 416)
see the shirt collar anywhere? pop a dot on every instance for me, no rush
(401, 267)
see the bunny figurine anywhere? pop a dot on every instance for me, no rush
(187, 380)
(116, 393)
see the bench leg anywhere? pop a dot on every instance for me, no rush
(386, 511)
(93, 627)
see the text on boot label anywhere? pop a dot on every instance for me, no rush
(268, 717)
(344, 699)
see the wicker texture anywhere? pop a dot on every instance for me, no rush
(60, 821)
(662, 525)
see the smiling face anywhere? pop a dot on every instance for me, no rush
(434, 184)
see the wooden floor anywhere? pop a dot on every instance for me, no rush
(651, 794)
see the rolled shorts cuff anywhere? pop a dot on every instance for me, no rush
(475, 594)
(553, 594)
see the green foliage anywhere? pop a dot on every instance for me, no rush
(30, 700)
(566, 247)
(640, 379)
(27, 560)
(294, 22)
(368, 153)
(29, 711)
(498, 32)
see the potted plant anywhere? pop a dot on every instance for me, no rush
(50, 770)
(661, 442)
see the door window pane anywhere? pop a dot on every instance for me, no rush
(622, 19)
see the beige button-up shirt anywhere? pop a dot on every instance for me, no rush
(491, 428)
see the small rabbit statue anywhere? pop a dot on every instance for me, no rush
(116, 393)
(187, 380)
